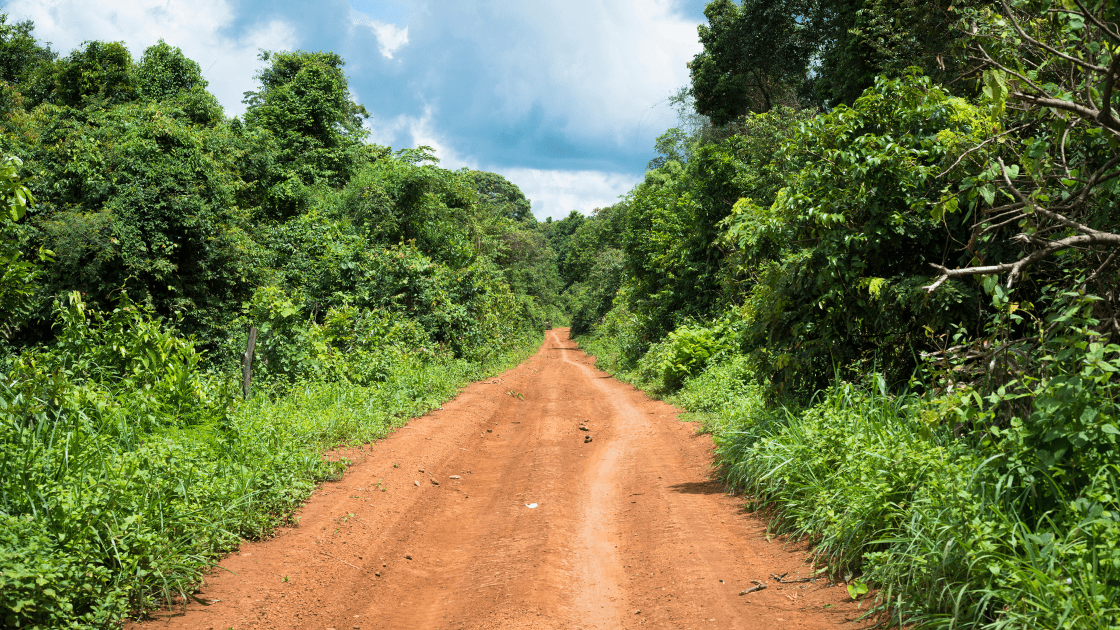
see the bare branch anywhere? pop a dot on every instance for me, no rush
(999, 65)
(1016, 268)
(1098, 178)
(1007, 180)
(1001, 209)
(1052, 50)
(1055, 103)
(1049, 213)
(1106, 93)
(1054, 216)
(992, 228)
(1093, 18)
(1107, 262)
(1062, 146)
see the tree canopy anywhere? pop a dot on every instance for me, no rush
(761, 54)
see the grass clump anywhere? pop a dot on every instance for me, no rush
(128, 471)
(974, 507)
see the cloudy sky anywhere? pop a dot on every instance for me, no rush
(563, 97)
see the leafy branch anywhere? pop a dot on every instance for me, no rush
(1062, 72)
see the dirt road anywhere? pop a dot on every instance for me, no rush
(434, 526)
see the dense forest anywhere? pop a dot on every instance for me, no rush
(145, 234)
(879, 259)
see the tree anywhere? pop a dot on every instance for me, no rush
(833, 261)
(670, 146)
(1051, 194)
(141, 195)
(502, 196)
(559, 235)
(18, 278)
(98, 74)
(164, 72)
(312, 131)
(755, 57)
(765, 53)
(20, 53)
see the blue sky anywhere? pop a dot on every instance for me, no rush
(565, 98)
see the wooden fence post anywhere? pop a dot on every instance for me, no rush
(247, 363)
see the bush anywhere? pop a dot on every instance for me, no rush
(124, 480)
(990, 519)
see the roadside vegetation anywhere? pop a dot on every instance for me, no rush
(143, 235)
(879, 260)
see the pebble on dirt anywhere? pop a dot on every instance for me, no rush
(417, 483)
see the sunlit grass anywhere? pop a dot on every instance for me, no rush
(945, 531)
(100, 518)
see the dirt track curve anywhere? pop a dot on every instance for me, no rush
(629, 531)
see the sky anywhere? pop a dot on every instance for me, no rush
(565, 98)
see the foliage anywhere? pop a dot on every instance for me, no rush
(127, 473)
(761, 54)
(590, 299)
(502, 196)
(18, 278)
(754, 57)
(968, 479)
(837, 260)
(142, 194)
(1043, 198)
(20, 53)
(99, 74)
(379, 282)
(671, 146)
(129, 349)
(688, 351)
(164, 72)
(676, 264)
(1012, 527)
(398, 201)
(308, 124)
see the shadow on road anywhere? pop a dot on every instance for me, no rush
(700, 487)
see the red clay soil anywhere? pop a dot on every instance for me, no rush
(629, 529)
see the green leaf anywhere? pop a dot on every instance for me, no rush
(988, 191)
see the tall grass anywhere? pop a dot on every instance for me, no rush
(105, 512)
(949, 534)
(959, 512)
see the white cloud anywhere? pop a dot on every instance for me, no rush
(550, 79)
(390, 37)
(195, 26)
(598, 69)
(556, 193)
(419, 132)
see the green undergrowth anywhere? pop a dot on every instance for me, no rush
(128, 471)
(957, 511)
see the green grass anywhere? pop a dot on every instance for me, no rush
(102, 516)
(957, 512)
